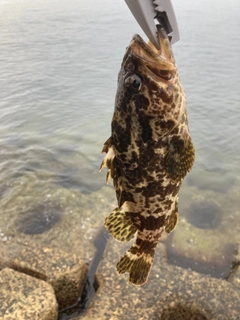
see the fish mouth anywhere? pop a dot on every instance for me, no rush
(161, 62)
(144, 50)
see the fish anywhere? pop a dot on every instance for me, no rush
(149, 152)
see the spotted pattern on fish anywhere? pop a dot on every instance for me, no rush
(149, 152)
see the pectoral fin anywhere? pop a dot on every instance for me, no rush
(180, 157)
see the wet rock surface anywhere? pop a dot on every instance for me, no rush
(25, 298)
(65, 272)
(170, 293)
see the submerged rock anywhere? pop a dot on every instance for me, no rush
(40, 219)
(207, 234)
(204, 214)
(35, 211)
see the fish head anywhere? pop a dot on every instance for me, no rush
(149, 85)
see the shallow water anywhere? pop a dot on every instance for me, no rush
(59, 63)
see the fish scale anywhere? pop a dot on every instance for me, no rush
(149, 152)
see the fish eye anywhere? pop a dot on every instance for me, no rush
(134, 82)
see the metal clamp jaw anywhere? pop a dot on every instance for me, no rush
(147, 11)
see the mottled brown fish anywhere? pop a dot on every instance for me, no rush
(149, 152)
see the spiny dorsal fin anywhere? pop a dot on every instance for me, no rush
(109, 159)
(106, 145)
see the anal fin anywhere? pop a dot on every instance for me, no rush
(120, 225)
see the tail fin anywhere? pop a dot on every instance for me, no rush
(138, 261)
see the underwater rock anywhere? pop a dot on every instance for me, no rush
(23, 297)
(40, 219)
(200, 250)
(204, 214)
(207, 233)
(65, 272)
(71, 221)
